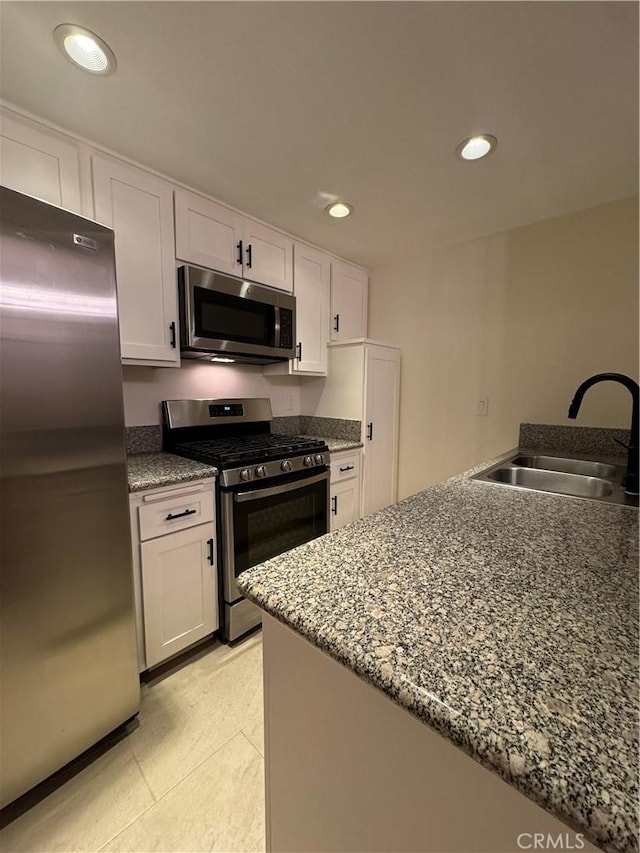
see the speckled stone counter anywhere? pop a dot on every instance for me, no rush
(506, 620)
(152, 470)
(337, 445)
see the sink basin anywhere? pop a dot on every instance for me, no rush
(559, 482)
(571, 466)
(579, 478)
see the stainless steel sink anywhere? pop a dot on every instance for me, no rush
(571, 466)
(553, 481)
(580, 478)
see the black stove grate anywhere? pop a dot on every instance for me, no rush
(248, 449)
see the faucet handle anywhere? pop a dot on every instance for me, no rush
(621, 443)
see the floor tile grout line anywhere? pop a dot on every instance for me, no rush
(199, 764)
(144, 811)
(260, 755)
(168, 791)
(146, 781)
(173, 787)
(142, 773)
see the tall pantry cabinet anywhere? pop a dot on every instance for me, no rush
(363, 383)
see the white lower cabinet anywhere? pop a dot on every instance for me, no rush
(179, 591)
(345, 488)
(174, 557)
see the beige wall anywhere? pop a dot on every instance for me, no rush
(145, 387)
(520, 317)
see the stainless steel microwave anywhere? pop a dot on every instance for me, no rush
(225, 319)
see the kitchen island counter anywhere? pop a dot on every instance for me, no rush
(506, 620)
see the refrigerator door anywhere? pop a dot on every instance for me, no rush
(69, 671)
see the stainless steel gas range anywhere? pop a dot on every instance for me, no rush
(273, 490)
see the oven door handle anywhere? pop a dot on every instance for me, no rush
(241, 497)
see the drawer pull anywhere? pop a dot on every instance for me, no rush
(171, 516)
(344, 468)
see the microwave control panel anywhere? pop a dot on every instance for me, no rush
(286, 331)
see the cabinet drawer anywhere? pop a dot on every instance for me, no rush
(344, 466)
(164, 515)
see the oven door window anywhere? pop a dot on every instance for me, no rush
(266, 527)
(220, 316)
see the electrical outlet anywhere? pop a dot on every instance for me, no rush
(483, 407)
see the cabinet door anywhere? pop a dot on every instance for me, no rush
(348, 302)
(268, 256)
(311, 288)
(179, 591)
(382, 381)
(139, 208)
(207, 233)
(39, 164)
(344, 503)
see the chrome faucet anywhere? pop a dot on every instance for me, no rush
(630, 481)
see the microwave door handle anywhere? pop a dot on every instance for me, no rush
(276, 330)
(255, 494)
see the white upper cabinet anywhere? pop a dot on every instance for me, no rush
(214, 236)
(349, 290)
(208, 234)
(39, 163)
(311, 289)
(139, 207)
(268, 255)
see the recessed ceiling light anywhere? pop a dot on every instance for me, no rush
(476, 147)
(339, 209)
(85, 49)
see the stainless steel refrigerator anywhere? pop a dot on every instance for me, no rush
(68, 660)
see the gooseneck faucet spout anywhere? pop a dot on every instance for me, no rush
(631, 481)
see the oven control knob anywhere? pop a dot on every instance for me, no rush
(286, 465)
(308, 460)
(261, 471)
(245, 475)
(319, 459)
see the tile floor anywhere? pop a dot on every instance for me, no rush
(190, 777)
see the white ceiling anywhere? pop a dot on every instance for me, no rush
(277, 108)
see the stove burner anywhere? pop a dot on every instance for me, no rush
(248, 449)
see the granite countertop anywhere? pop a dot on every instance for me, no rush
(153, 470)
(505, 619)
(337, 445)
